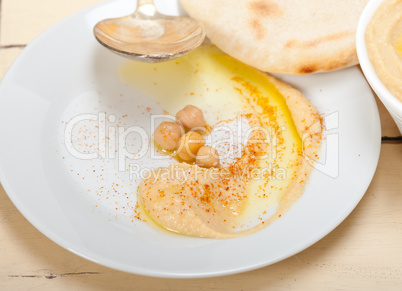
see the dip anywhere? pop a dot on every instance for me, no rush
(257, 187)
(384, 45)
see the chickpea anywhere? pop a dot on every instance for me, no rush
(190, 117)
(189, 145)
(208, 157)
(167, 135)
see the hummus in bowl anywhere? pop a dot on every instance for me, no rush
(384, 45)
(379, 49)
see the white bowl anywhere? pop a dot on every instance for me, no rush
(393, 105)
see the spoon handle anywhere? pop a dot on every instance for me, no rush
(146, 8)
(142, 3)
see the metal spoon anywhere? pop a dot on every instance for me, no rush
(148, 36)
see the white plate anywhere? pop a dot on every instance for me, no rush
(60, 75)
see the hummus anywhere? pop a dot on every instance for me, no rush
(257, 186)
(384, 45)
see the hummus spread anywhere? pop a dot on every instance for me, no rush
(261, 183)
(384, 45)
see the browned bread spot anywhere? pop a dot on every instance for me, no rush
(264, 8)
(318, 41)
(341, 61)
(257, 28)
(308, 69)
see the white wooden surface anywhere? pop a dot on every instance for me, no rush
(364, 252)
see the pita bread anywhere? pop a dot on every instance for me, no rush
(282, 36)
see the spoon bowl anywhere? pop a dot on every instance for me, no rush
(148, 35)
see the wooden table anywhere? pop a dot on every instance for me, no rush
(364, 252)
